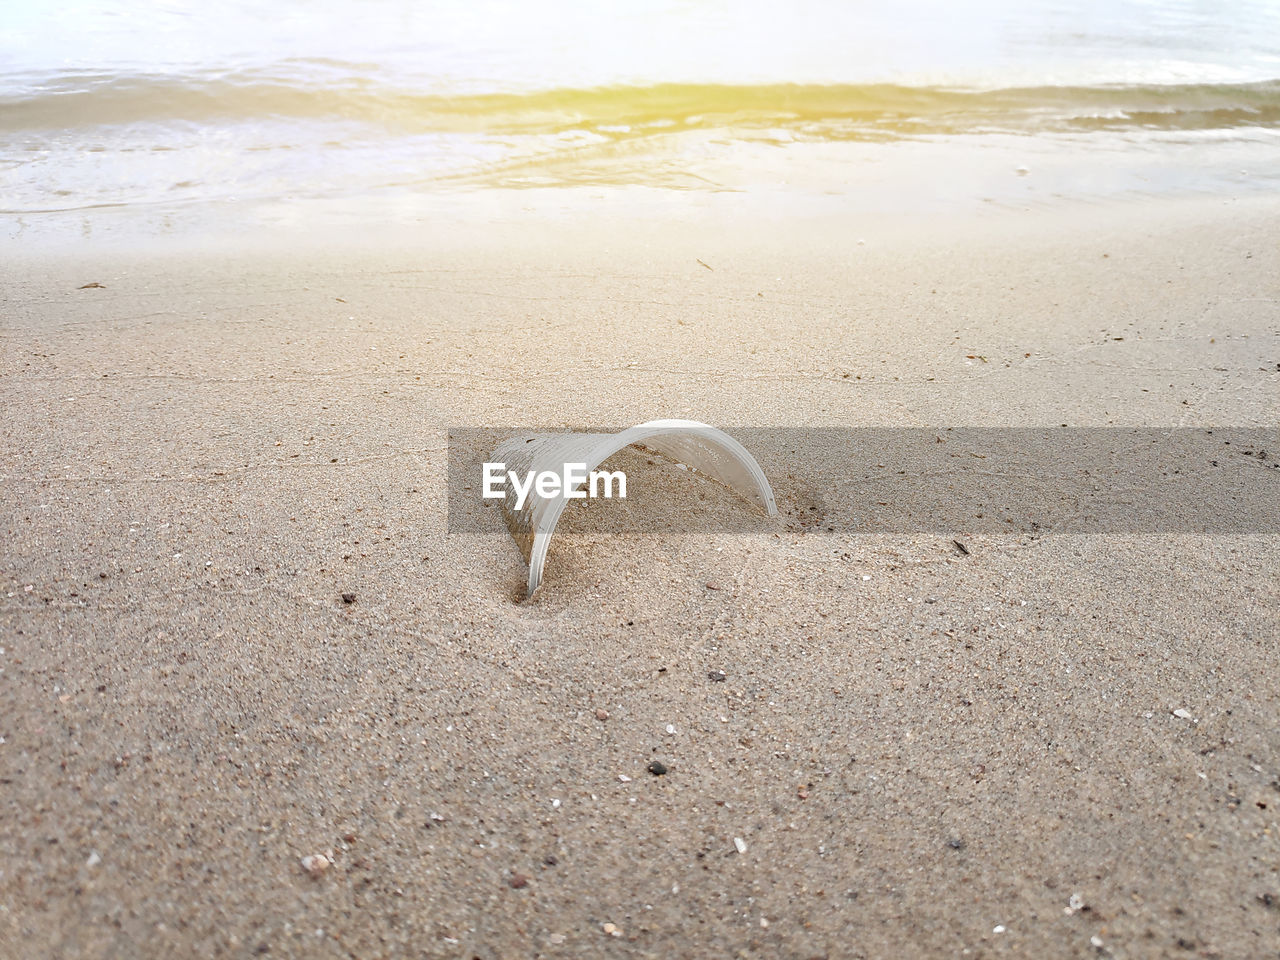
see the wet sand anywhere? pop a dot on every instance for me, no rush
(911, 752)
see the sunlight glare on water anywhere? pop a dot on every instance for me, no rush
(506, 47)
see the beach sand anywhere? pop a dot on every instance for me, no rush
(920, 752)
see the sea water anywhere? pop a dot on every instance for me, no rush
(181, 109)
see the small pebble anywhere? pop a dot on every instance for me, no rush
(740, 845)
(717, 676)
(348, 598)
(518, 881)
(611, 929)
(657, 768)
(998, 928)
(1182, 713)
(602, 714)
(316, 864)
(671, 728)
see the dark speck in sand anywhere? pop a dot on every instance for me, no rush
(518, 881)
(348, 598)
(657, 768)
(955, 843)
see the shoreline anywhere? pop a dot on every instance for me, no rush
(899, 186)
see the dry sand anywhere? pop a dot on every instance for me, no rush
(961, 755)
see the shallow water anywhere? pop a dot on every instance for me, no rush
(173, 104)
